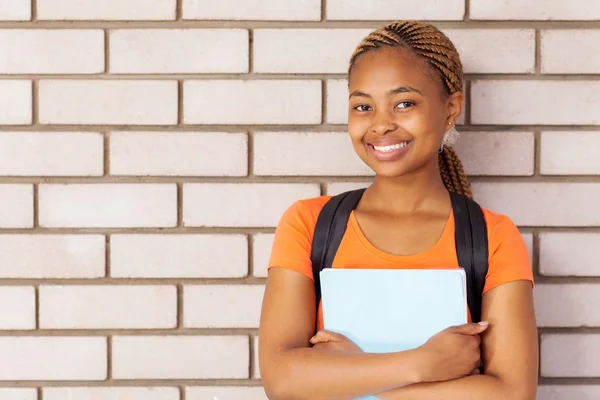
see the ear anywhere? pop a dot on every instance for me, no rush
(455, 104)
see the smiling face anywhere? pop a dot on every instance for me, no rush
(398, 111)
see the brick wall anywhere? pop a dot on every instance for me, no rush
(148, 148)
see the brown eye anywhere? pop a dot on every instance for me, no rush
(405, 104)
(362, 108)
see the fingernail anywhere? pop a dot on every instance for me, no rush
(484, 323)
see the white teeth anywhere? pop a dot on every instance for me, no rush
(392, 147)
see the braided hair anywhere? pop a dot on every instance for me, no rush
(427, 41)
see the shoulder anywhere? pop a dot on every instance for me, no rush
(304, 213)
(499, 226)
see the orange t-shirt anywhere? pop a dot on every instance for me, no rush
(508, 255)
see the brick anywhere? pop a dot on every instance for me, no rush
(570, 355)
(384, 9)
(568, 51)
(52, 256)
(273, 102)
(341, 187)
(46, 154)
(567, 305)
(534, 102)
(337, 103)
(568, 392)
(180, 357)
(16, 102)
(225, 393)
(179, 256)
(53, 358)
(232, 306)
(569, 254)
(106, 9)
(51, 51)
(263, 242)
(111, 393)
(17, 308)
(307, 10)
(16, 206)
(570, 153)
(315, 50)
(497, 153)
(478, 56)
(542, 204)
(117, 102)
(528, 239)
(108, 205)
(15, 10)
(176, 153)
(256, 362)
(197, 51)
(533, 10)
(306, 154)
(18, 394)
(108, 307)
(250, 205)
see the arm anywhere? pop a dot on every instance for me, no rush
(509, 350)
(292, 369)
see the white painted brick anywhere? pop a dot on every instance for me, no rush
(315, 50)
(570, 355)
(252, 205)
(180, 357)
(53, 358)
(18, 393)
(225, 393)
(15, 10)
(253, 10)
(497, 153)
(534, 10)
(106, 9)
(108, 205)
(16, 206)
(17, 308)
(567, 305)
(52, 256)
(528, 239)
(177, 153)
(111, 393)
(16, 102)
(570, 51)
(542, 204)
(179, 51)
(51, 51)
(307, 154)
(263, 243)
(534, 102)
(231, 306)
(108, 307)
(341, 187)
(179, 256)
(256, 363)
(272, 102)
(568, 392)
(337, 103)
(478, 56)
(569, 254)
(395, 9)
(108, 102)
(566, 153)
(51, 154)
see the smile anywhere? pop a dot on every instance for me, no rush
(387, 149)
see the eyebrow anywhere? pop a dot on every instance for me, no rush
(401, 89)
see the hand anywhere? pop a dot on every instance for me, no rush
(334, 341)
(453, 353)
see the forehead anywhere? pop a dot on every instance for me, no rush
(378, 71)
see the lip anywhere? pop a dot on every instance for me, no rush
(393, 155)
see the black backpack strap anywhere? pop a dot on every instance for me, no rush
(329, 231)
(471, 248)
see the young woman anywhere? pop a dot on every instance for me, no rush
(405, 95)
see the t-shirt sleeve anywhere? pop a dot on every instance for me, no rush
(293, 238)
(509, 258)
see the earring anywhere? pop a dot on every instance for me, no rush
(450, 137)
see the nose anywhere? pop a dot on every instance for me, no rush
(383, 123)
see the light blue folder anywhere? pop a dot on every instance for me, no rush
(385, 311)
